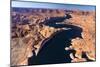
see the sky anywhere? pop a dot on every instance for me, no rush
(33, 4)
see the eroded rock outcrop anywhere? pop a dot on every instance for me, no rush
(30, 29)
(87, 22)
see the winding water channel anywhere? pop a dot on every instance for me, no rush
(53, 51)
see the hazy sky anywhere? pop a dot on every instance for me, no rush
(51, 5)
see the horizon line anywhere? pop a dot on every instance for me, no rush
(26, 4)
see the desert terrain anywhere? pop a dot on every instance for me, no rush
(67, 35)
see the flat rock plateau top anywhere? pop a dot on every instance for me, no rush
(30, 28)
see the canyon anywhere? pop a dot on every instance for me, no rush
(67, 35)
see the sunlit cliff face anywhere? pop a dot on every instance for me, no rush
(87, 44)
(28, 37)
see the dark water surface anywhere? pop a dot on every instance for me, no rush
(53, 50)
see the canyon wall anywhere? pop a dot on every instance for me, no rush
(29, 30)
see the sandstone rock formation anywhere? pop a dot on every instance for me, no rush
(28, 31)
(87, 23)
